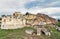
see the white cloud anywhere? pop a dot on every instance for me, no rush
(18, 5)
(41, 0)
(13, 5)
(34, 10)
(50, 10)
(57, 17)
(52, 3)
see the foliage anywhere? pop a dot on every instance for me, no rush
(58, 24)
(0, 18)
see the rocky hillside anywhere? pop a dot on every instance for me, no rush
(35, 18)
(46, 18)
(39, 17)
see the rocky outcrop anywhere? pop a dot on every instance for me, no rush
(36, 19)
(21, 20)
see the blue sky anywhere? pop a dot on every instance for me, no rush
(49, 7)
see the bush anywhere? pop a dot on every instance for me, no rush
(58, 24)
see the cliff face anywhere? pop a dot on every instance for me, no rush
(18, 20)
(46, 18)
(38, 18)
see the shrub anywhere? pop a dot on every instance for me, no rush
(58, 24)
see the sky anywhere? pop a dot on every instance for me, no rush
(49, 7)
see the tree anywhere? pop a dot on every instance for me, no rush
(58, 19)
(27, 13)
(3, 15)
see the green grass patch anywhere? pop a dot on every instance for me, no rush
(54, 33)
(18, 33)
(58, 24)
